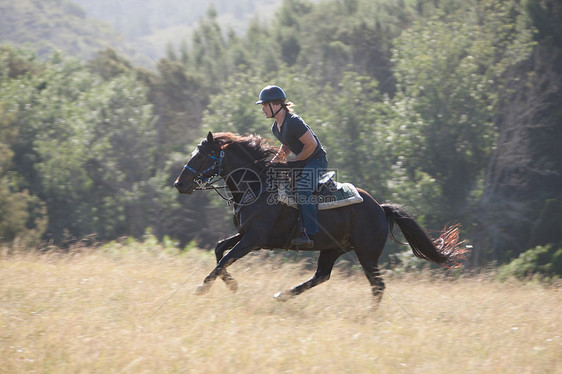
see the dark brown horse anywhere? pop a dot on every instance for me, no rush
(264, 223)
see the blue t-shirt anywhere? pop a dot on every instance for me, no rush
(292, 129)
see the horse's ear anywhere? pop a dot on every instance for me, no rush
(210, 137)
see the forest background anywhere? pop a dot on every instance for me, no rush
(452, 108)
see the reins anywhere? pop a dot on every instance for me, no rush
(209, 186)
(207, 183)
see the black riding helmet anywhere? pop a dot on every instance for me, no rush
(270, 93)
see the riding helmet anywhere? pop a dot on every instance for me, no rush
(270, 93)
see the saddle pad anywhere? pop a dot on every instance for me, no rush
(345, 194)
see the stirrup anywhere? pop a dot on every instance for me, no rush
(303, 241)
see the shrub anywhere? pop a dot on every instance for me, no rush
(544, 260)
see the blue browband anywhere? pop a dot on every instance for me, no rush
(216, 165)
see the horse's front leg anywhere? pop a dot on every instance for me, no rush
(240, 249)
(223, 246)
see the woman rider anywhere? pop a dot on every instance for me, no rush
(296, 137)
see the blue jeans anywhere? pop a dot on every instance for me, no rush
(306, 186)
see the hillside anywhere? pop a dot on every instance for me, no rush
(150, 26)
(51, 25)
(137, 29)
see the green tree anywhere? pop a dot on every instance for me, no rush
(22, 216)
(209, 46)
(87, 148)
(523, 174)
(14, 213)
(354, 136)
(453, 70)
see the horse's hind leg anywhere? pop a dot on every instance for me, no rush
(223, 246)
(369, 263)
(326, 261)
(377, 284)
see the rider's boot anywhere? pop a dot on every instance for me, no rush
(303, 241)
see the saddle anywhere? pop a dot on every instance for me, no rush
(329, 194)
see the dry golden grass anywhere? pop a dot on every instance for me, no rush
(92, 312)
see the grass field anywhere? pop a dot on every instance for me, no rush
(94, 312)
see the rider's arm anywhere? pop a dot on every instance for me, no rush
(309, 145)
(282, 154)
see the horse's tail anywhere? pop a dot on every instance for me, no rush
(445, 250)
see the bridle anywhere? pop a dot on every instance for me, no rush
(205, 183)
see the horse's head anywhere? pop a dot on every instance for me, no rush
(246, 154)
(204, 164)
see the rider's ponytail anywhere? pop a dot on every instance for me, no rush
(289, 106)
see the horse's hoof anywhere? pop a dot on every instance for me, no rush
(233, 286)
(202, 289)
(282, 296)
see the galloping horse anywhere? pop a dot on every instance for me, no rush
(263, 222)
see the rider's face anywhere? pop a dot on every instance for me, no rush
(267, 108)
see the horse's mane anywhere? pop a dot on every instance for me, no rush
(257, 147)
